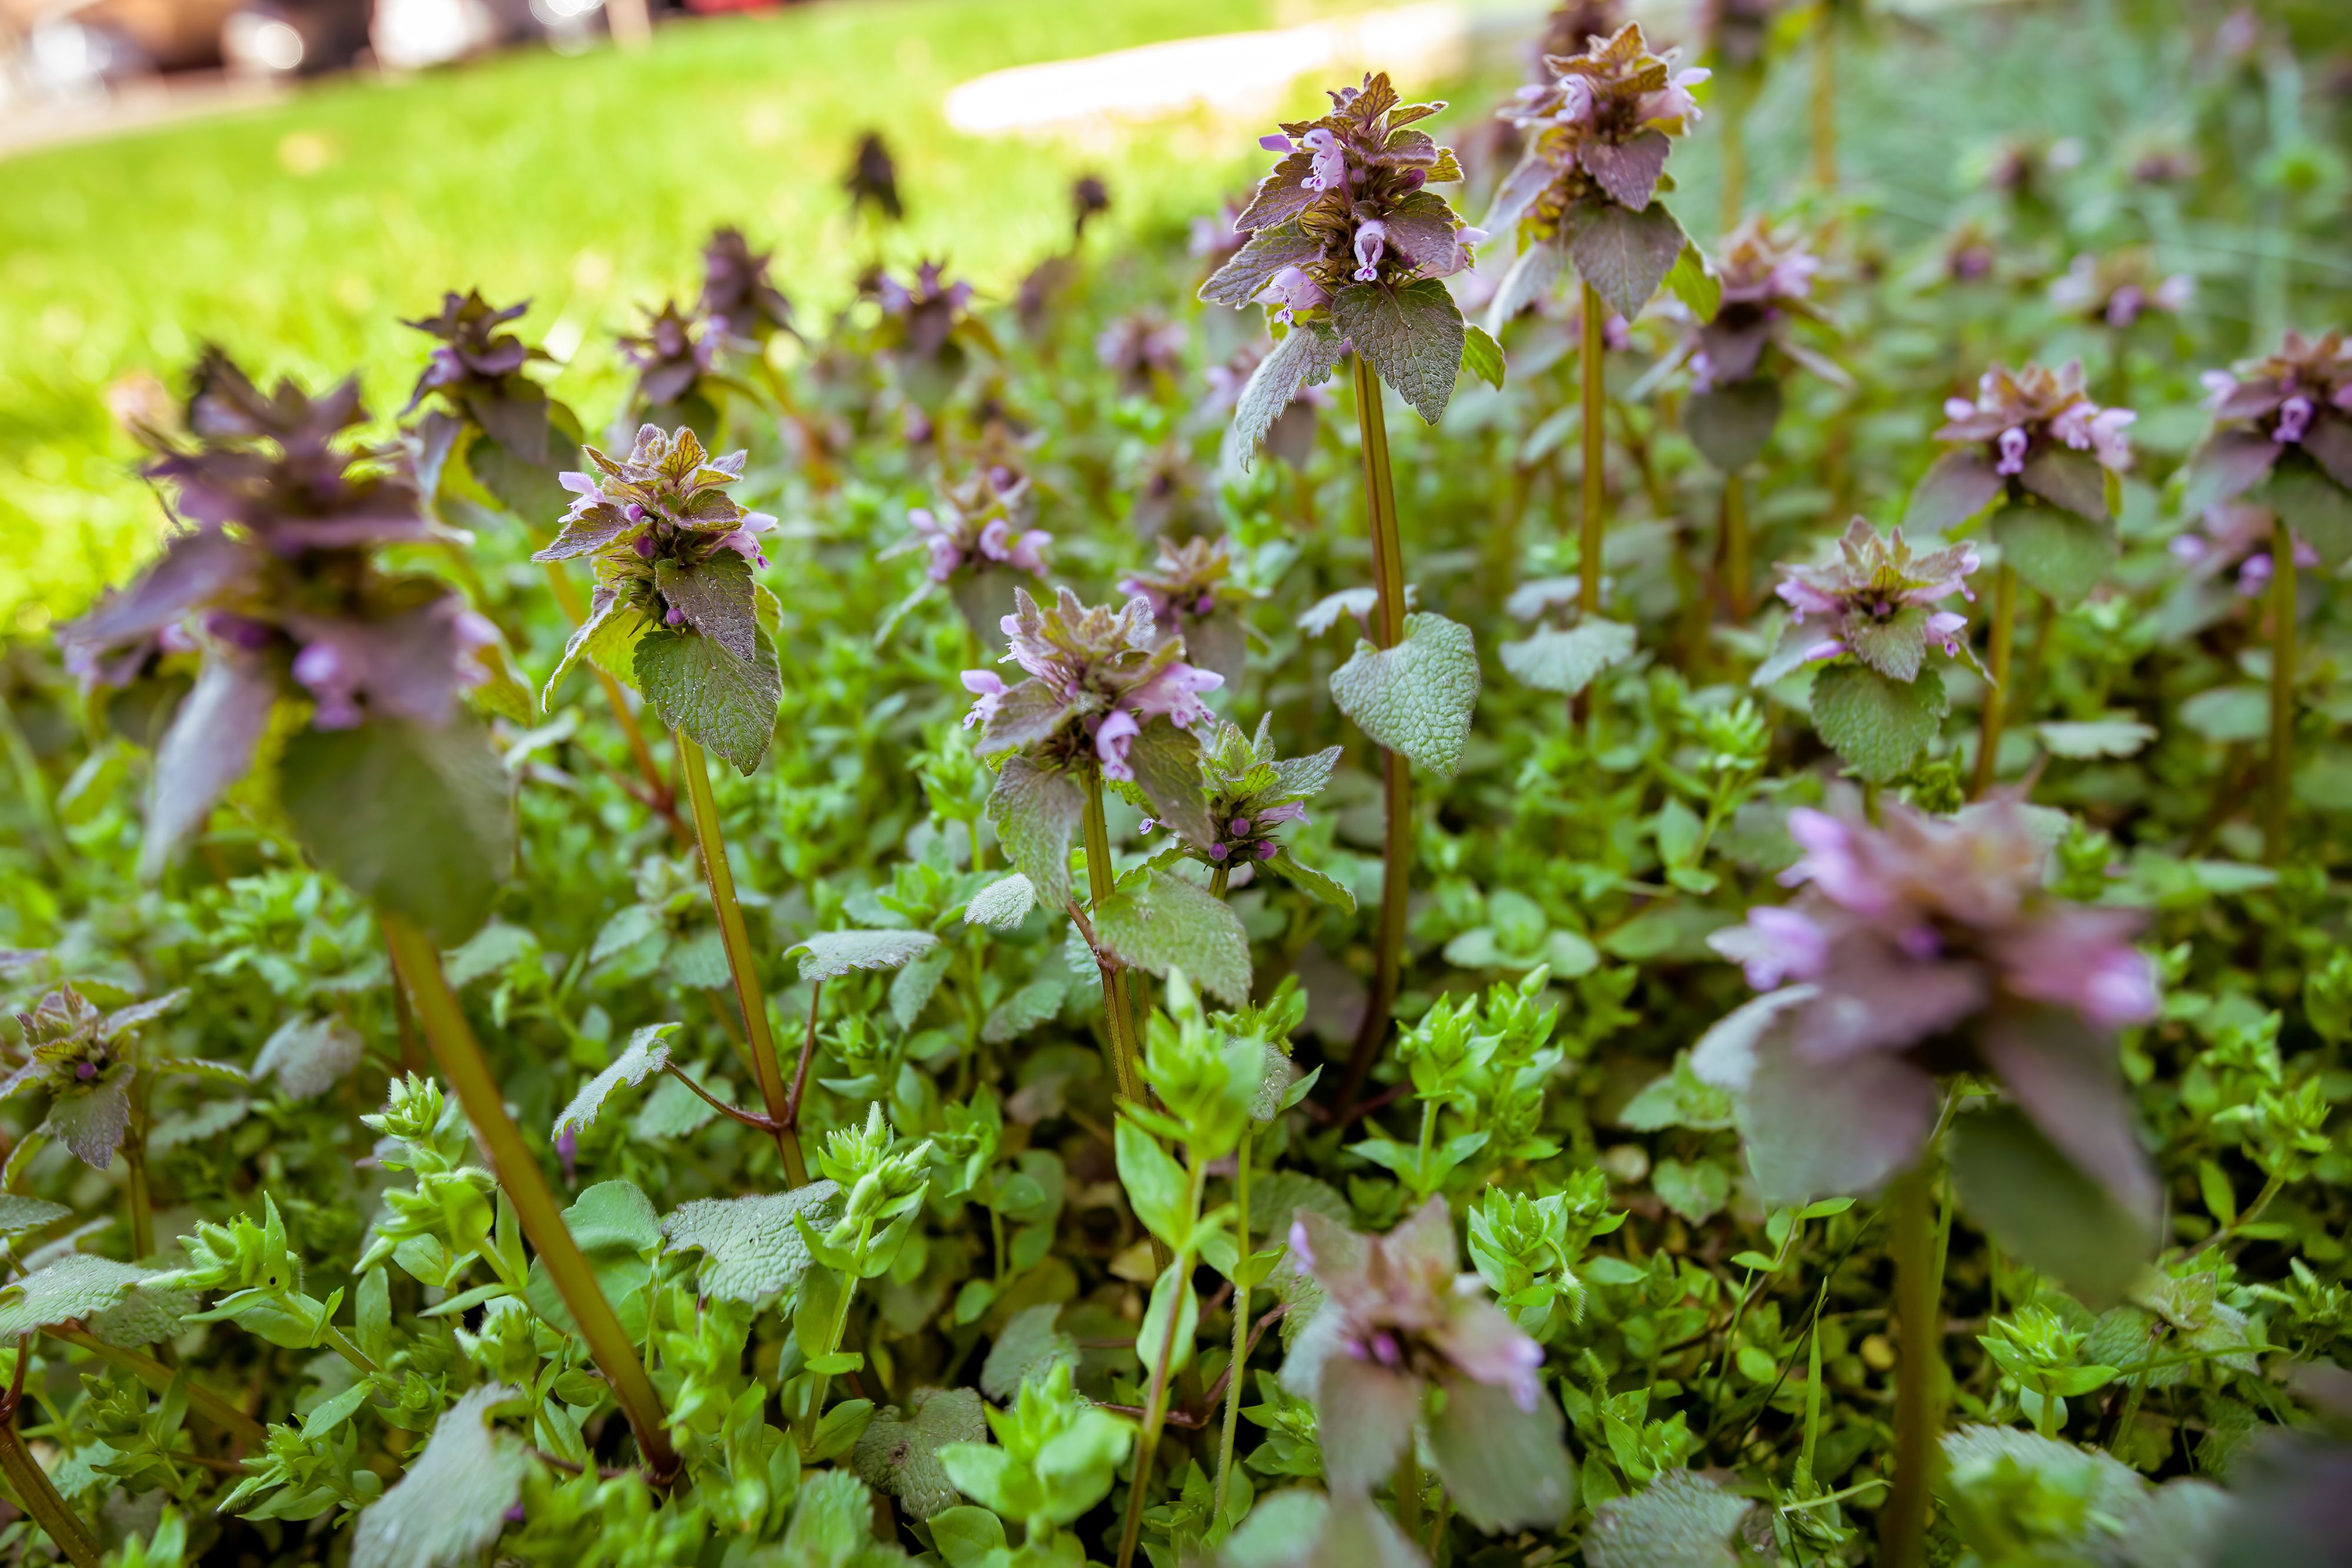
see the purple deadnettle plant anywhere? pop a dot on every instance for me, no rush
(739, 299)
(1874, 612)
(873, 179)
(980, 542)
(1398, 1322)
(2028, 437)
(278, 579)
(86, 1060)
(1195, 600)
(676, 611)
(1597, 134)
(1920, 954)
(1736, 356)
(926, 328)
(673, 353)
(2120, 288)
(1347, 248)
(1250, 794)
(2284, 423)
(485, 413)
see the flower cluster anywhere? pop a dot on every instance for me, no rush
(2019, 415)
(657, 521)
(1251, 793)
(1925, 946)
(1347, 205)
(1195, 599)
(2300, 396)
(738, 296)
(474, 360)
(920, 317)
(672, 352)
(85, 1060)
(1598, 131)
(279, 577)
(1096, 676)
(1398, 1318)
(2118, 288)
(1767, 278)
(981, 525)
(1877, 601)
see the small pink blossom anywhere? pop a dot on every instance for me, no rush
(988, 688)
(1292, 290)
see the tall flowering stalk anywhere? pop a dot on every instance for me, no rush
(1918, 957)
(484, 417)
(1737, 358)
(1106, 698)
(1598, 135)
(1870, 617)
(1347, 252)
(386, 781)
(2282, 439)
(677, 609)
(2034, 442)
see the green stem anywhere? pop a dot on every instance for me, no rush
(207, 1405)
(1241, 1318)
(134, 1164)
(1997, 659)
(1736, 571)
(1596, 499)
(1823, 116)
(2282, 779)
(1119, 1018)
(1406, 1491)
(1155, 1403)
(1919, 1374)
(460, 1059)
(341, 1343)
(1387, 630)
(736, 939)
(819, 1381)
(31, 1485)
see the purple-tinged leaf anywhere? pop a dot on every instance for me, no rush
(1518, 191)
(698, 686)
(1364, 1416)
(2226, 465)
(2065, 1078)
(2328, 443)
(2061, 554)
(1413, 335)
(1955, 486)
(2313, 506)
(91, 1122)
(1025, 715)
(208, 748)
(1628, 170)
(1731, 423)
(1281, 195)
(1505, 1468)
(1623, 253)
(1267, 252)
(1815, 1131)
(2065, 477)
(716, 599)
(586, 534)
(1306, 355)
(2043, 1210)
(1167, 764)
(194, 570)
(1034, 813)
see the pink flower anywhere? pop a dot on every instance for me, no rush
(1834, 862)
(1673, 106)
(2084, 959)
(1946, 627)
(1113, 737)
(1776, 945)
(988, 687)
(1174, 691)
(2012, 443)
(2294, 419)
(1292, 290)
(1331, 170)
(1372, 243)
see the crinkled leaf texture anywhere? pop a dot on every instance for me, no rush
(1304, 357)
(91, 1122)
(899, 1455)
(831, 953)
(453, 1501)
(1483, 357)
(1623, 253)
(1413, 335)
(1003, 903)
(726, 704)
(1567, 662)
(1266, 252)
(76, 1285)
(1030, 1347)
(1680, 1520)
(310, 1055)
(646, 1053)
(716, 599)
(416, 820)
(1167, 764)
(18, 1212)
(1879, 726)
(1164, 922)
(1955, 486)
(1416, 697)
(1035, 812)
(751, 1250)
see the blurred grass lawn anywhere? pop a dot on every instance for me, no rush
(297, 234)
